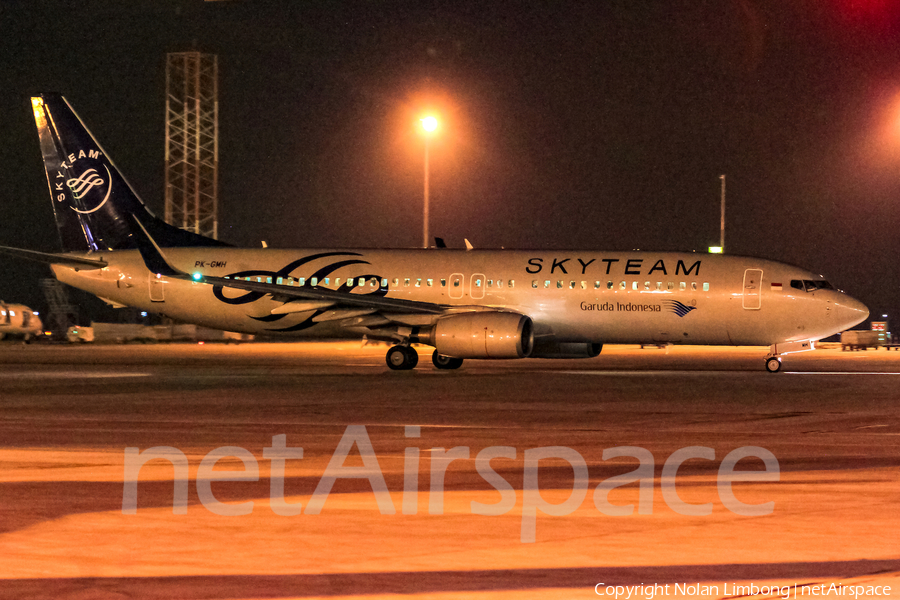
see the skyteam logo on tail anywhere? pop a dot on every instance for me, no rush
(679, 308)
(90, 191)
(81, 186)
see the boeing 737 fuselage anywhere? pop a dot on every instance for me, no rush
(467, 304)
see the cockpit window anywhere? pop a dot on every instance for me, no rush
(810, 285)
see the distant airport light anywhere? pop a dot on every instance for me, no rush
(429, 124)
(715, 249)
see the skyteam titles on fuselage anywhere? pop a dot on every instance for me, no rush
(631, 266)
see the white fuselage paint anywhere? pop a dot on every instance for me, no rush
(572, 300)
(19, 320)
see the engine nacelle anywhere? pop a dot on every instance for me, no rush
(545, 349)
(484, 335)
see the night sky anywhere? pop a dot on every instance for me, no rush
(593, 125)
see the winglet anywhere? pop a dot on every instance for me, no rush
(150, 251)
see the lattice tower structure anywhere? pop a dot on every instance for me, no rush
(192, 142)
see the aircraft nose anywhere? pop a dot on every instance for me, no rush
(850, 311)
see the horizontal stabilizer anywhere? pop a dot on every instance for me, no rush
(66, 260)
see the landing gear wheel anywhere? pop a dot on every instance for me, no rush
(445, 362)
(773, 364)
(401, 358)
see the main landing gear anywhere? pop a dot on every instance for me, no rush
(445, 362)
(773, 364)
(404, 358)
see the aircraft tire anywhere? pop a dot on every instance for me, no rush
(445, 362)
(773, 364)
(411, 356)
(401, 358)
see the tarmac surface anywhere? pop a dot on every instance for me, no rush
(68, 414)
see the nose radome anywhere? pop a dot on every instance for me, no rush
(850, 311)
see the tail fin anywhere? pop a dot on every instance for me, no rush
(91, 198)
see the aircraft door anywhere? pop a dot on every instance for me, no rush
(476, 286)
(456, 286)
(752, 287)
(157, 291)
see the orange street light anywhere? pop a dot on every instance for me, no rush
(429, 124)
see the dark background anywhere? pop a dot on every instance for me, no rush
(594, 125)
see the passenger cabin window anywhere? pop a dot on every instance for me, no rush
(670, 285)
(559, 284)
(430, 282)
(546, 284)
(456, 283)
(534, 283)
(406, 282)
(512, 283)
(706, 286)
(314, 281)
(395, 282)
(634, 285)
(682, 286)
(418, 283)
(443, 283)
(622, 285)
(694, 285)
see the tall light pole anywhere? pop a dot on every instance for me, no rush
(429, 124)
(722, 221)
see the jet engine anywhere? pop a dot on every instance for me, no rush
(483, 335)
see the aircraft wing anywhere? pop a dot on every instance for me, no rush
(76, 262)
(157, 263)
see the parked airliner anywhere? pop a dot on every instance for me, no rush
(19, 321)
(479, 304)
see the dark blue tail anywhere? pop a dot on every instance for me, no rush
(91, 199)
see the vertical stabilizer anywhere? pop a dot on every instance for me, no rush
(91, 198)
